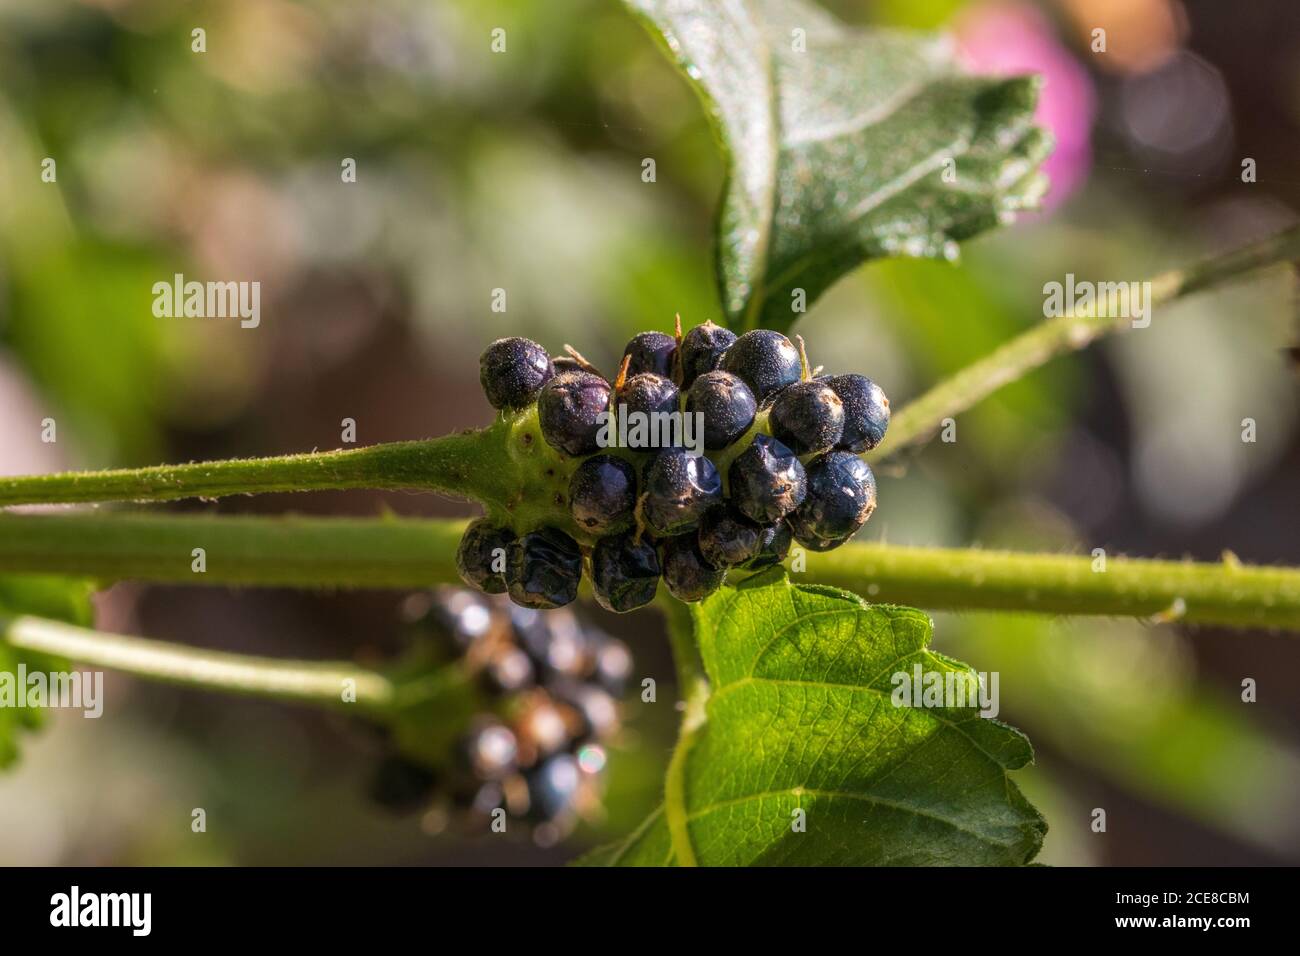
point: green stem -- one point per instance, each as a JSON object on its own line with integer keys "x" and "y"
{"x": 306, "y": 681}
{"x": 412, "y": 553}
{"x": 923, "y": 416}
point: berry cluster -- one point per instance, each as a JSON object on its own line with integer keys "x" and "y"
{"x": 707, "y": 452}
{"x": 554, "y": 688}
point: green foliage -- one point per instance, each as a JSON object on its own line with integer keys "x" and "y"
{"x": 838, "y": 141}
{"x": 63, "y": 599}
{"x": 800, "y": 717}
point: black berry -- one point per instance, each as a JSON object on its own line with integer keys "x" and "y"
{"x": 841, "y": 496}
{"x": 727, "y": 405}
{"x": 701, "y": 348}
{"x": 767, "y": 480}
{"x": 480, "y": 559}
{"x": 808, "y": 417}
{"x": 687, "y": 573}
{"x": 647, "y": 393}
{"x": 651, "y": 352}
{"x": 624, "y": 572}
{"x": 571, "y": 410}
{"x": 729, "y": 539}
{"x": 543, "y": 569}
{"x": 866, "y": 412}
{"x": 774, "y": 545}
{"x": 602, "y": 494}
{"x": 513, "y": 371}
{"x": 677, "y": 489}
{"x": 767, "y": 361}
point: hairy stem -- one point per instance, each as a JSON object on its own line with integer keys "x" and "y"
{"x": 334, "y": 684}
{"x": 413, "y": 553}
{"x": 922, "y": 417}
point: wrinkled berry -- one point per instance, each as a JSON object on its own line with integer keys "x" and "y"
{"x": 543, "y": 569}
{"x": 766, "y": 361}
{"x": 687, "y": 573}
{"x": 513, "y": 371}
{"x": 651, "y": 352}
{"x": 866, "y": 412}
{"x": 808, "y": 417}
{"x": 677, "y": 490}
{"x": 624, "y": 572}
{"x": 727, "y": 405}
{"x": 602, "y": 494}
{"x": 729, "y": 539}
{"x": 767, "y": 480}
{"x": 571, "y": 411}
{"x": 701, "y": 348}
{"x": 774, "y": 545}
{"x": 481, "y": 557}
{"x": 841, "y": 496}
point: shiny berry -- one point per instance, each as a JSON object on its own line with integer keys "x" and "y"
{"x": 647, "y": 393}
{"x": 553, "y": 787}
{"x": 677, "y": 489}
{"x": 767, "y": 480}
{"x": 687, "y": 573}
{"x": 602, "y": 494}
{"x": 572, "y": 411}
{"x": 543, "y": 569}
{"x": 866, "y": 412}
{"x": 481, "y": 557}
{"x": 624, "y": 572}
{"x": 727, "y": 405}
{"x": 807, "y": 417}
{"x": 841, "y": 496}
{"x": 767, "y": 361}
{"x": 774, "y": 545}
{"x": 513, "y": 371}
{"x": 651, "y": 352}
{"x": 729, "y": 539}
{"x": 701, "y": 348}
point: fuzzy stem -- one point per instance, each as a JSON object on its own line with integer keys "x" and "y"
{"x": 923, "y": 416}
{"x": 412, "y": 553}
{"x": 304, "y": 681}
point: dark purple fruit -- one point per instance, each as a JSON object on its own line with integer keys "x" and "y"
{"x": 701, "y": 349}
{"x": 767, "y": 361}
{"x": 602, "y": 494}
{"x": 687, "y": 573}
{"x": 807, "y": 417}
{"x": 729, "y": 539}
{"x": 513, "y": 371}
{"x": 624, "y": 572}
{"x": 543, "y": 569}
{"x": 481, "y": 557}
{"x": 841, "y": 496}
{"x": 866, "y": 412}
{"x": 651, "y": 352}
{"x": 767, "y": 480}
{"x": 572, "y": 411}
{"x": 727, "y": 405}
{"x": 774, "y": 545}
{"x": 677, "y": 489}
{"x": 647, "y": 393}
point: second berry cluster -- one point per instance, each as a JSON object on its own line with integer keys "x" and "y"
{"x": 707, "y": 452}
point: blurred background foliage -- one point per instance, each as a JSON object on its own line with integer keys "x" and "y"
{"x": 522, "y": 171}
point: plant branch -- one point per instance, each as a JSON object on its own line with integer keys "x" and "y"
{"x": 412, "y": 553}
{"x": 307, "y": 681}
{"x": 922, "y": 417}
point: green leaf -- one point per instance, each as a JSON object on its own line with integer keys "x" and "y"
{"x": 837, "y": 153}
{"x": 801, "y": 717}
{"x": 63, "y": 599}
